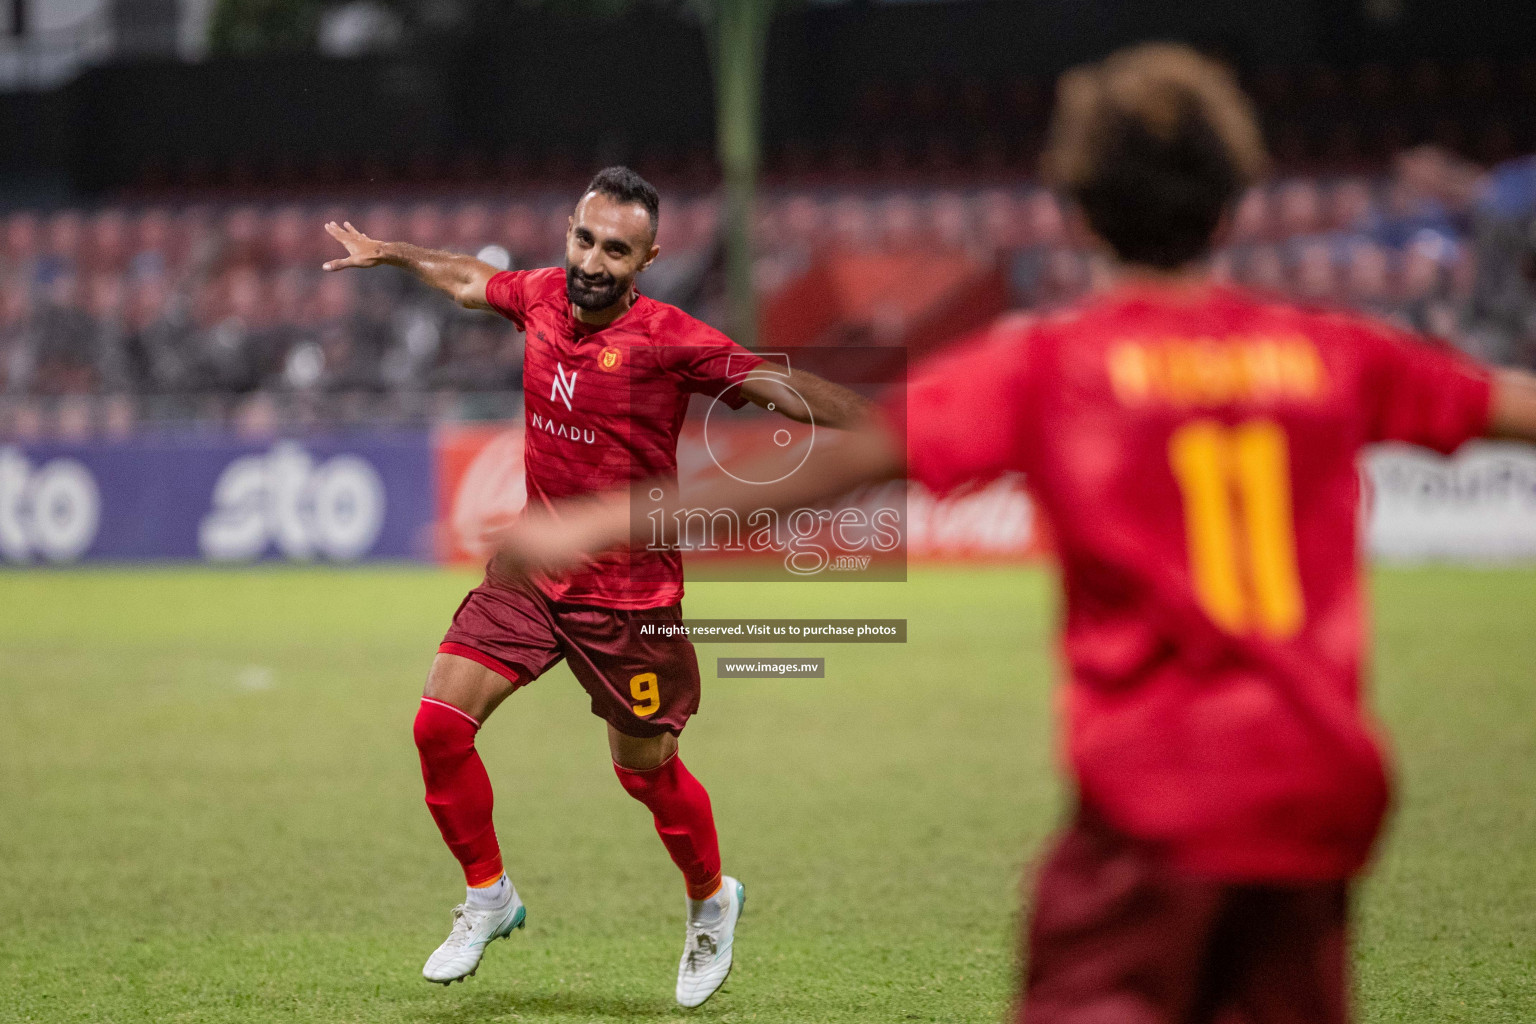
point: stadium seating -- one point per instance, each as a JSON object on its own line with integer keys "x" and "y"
{"x": 222, "y": 310}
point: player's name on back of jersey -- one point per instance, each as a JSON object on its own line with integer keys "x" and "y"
{"x": 1214, "y": 371}
{"x": 778, "y": 631}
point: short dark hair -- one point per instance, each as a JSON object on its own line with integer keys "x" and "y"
{"x": 625, "y": 186}
{"x": 1153, "y": 144}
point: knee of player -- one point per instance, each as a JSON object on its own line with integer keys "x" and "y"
{"x": 440, "y": 729}
{"x": 634, "y": 782}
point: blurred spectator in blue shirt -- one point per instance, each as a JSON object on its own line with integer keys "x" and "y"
{"x": 1499, "y": 205}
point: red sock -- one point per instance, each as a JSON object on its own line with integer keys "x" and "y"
{"x": 458, "y": 790}
{"x": 683, "y": 820}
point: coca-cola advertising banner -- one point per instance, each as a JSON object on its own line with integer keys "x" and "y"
{"x": 480, "y": 480}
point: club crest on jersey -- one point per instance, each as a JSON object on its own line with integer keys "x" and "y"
{"x": 610, "y": 358}
{"x": 563, "y": 387}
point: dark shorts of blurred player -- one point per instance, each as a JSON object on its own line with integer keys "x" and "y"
{"x": 642, "y": 675}
{"x": 1118, "y": 935}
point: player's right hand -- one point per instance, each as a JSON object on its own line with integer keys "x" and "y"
{"x": 362, "y": 251}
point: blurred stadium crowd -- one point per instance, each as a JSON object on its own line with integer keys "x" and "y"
{"x": 125, "y": 316}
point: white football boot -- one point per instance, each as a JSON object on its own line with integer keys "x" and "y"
{"x": 707, "y": 950}
{"x": 473, "y": 929}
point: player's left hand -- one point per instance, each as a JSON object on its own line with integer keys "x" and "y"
{"x": 538, "y": 542}
{"x": 362, "y": 251}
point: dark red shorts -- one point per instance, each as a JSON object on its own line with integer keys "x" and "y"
{"x": 1117, "y": 937}
{"x": 641, "y": 686}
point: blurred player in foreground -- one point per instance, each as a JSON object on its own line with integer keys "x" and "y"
{"x": 1194, "y": 448}
{"x": 607, "y": 377}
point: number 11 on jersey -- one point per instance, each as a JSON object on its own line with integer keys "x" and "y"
{"x": 1238, "y": 524}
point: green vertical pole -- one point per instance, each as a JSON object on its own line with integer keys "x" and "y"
{"x": 741, "y": 40}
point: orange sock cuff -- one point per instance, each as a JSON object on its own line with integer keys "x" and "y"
{"x": 480, "y": 880}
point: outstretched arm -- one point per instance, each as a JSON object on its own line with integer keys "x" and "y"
{"x": 807, "y": 398}
{"x": 1513, "y": 415}
{"x": 463, "y": 278}
{"x": 869, "y": 452}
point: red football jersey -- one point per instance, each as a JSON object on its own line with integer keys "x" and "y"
{"x": 1195, "y": 453}
{"x": 603, "y": 408}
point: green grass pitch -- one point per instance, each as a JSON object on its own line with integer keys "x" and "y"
{"x": 210, "y": 807}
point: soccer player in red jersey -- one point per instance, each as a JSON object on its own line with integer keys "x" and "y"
{"x": 607, "y": 376}
{"x": 1194, "y": 447}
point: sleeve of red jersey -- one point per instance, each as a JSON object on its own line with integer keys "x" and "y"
{"x": 507, "y": 294}
{"x": 1425, "y": 392}
{"x": 712, "y": 364}
{"x": 960, "y": 413}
